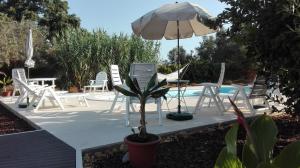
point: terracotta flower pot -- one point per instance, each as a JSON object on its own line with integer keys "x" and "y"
{"x": 73, "y": 89}
{"x": 142, "y": 154}
{"x": 6, "y": 93}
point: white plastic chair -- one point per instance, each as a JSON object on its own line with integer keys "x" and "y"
{"x": 20, "y": 74}
{"x": 211, "y": 91}
{"x": 99, "y": 82}
{"x": 40, "y": 94}
{"x": 116, "y": 81}
{"x": 143, "y": 73}
{"x": 258, "y": 91}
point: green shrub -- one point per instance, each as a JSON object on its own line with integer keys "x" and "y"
{"x": 82, "y": 54}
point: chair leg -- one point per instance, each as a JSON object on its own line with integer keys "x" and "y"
{"x": 215, "y": 99}
{"x": 114, "y": 102}
{"x": 57, "y": 99}
{"x": 200, "y": 99}
{"x": 247, "y": 102}
{"x": 209, "y": 102}
{"x": 159, "y": 111}
{"x": 85, "y": 101}
{"x": 127, "y": 111}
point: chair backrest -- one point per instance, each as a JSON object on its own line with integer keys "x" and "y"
{"x": 24, "y": 86}
{"x": 18, "y": 73}
{"x": 115, "y": 75}
{"x": 142, "y": 72}
{"x": 259, "y": 88}
{"x": 100, "y": 77}
{"x": 183, "y": 70}
{"x": 222, "y": 73}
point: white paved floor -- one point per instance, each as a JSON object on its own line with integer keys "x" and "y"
{"x": 87, "y": 127}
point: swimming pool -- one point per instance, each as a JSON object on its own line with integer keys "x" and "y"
{"x": 196, "y": 92}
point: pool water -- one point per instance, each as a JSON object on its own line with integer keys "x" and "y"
{"x": 194, "y": 92}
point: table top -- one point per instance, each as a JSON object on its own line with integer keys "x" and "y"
{"x": 41, "y": 79}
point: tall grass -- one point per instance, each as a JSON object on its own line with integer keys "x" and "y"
{"x": 81, "y": 54}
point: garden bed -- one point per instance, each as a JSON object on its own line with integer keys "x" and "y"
{"x": 197, "y": 148}
{"x": 10, "y": 123}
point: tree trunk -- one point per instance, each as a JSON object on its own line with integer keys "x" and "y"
{"x": 143, "y": 131}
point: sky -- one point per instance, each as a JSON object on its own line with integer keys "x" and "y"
{"x": 116, "y": 16}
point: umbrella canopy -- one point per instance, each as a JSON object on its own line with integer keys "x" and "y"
{"x": 162, "y": 22}
{"x": 29, "y": 50}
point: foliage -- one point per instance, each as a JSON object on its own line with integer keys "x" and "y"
{"x": 6, "y": 80}
{"x": 81, "y": 54}
{"x": 52, "y": 14}
{"x": 152, "y": 90}
{"x": 205, "y": 64}
{"x": 184, "y": 57}
{"x": 270, "y": 30}
{"x": 12, "y": 42}
{"x": 224, "y": 49}
{"x": 257, "y": 151}
{"x": 57, "y": 19}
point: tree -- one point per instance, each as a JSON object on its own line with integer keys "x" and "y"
{"x": 270, "y": 30}
{"x": 207, "y": 49}
{"x": 57, "y": 19}
{"x": 50, "y": 13}
{"x": 22, "y": 9}
{"x": 12, "y": 40}
{"x": 172, "y": 55}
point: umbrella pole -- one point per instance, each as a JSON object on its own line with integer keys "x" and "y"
{"x": 27, "y": 99}
{"x": 178, "y": 67}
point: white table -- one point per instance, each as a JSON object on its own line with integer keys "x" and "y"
{"x": 183, "y": 85}
{"x": 42, "y": 81}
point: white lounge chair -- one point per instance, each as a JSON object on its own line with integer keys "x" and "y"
{"x": 19, "y": 73}
{"x": 258, "y": 91}
{"x": 142, "y": 72}
{"x": 211, "y": 91}
{"x": 40, "y": 94}
{"x": 116, "y": 81}
{"x": 99, "y": 82}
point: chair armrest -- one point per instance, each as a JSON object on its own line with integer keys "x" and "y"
{"x": 92, "y": 82}
{"x": 209, "y": 84}
{"x": 238, "y": 86}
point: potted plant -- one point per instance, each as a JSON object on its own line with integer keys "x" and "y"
{"x": 4, "y": 82}
{"x": 142, "y": 145}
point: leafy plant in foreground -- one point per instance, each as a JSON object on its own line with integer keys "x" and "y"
{"x": 258, "y": 148}
{"x": 152, "y": 90}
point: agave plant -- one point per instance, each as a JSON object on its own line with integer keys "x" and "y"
{"x": 152, "y": 90}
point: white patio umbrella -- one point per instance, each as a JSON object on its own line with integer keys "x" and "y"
{"x": 29, "y": 63}
{"x": 173, "y": 21}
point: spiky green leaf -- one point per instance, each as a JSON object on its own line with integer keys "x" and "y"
{"x": 132, "y": 86}
{"x": 159, "y": 84}
{"x": 126, "y": 92}
{"x": 151, "y": 82}
{"x": 159, "y": 92}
